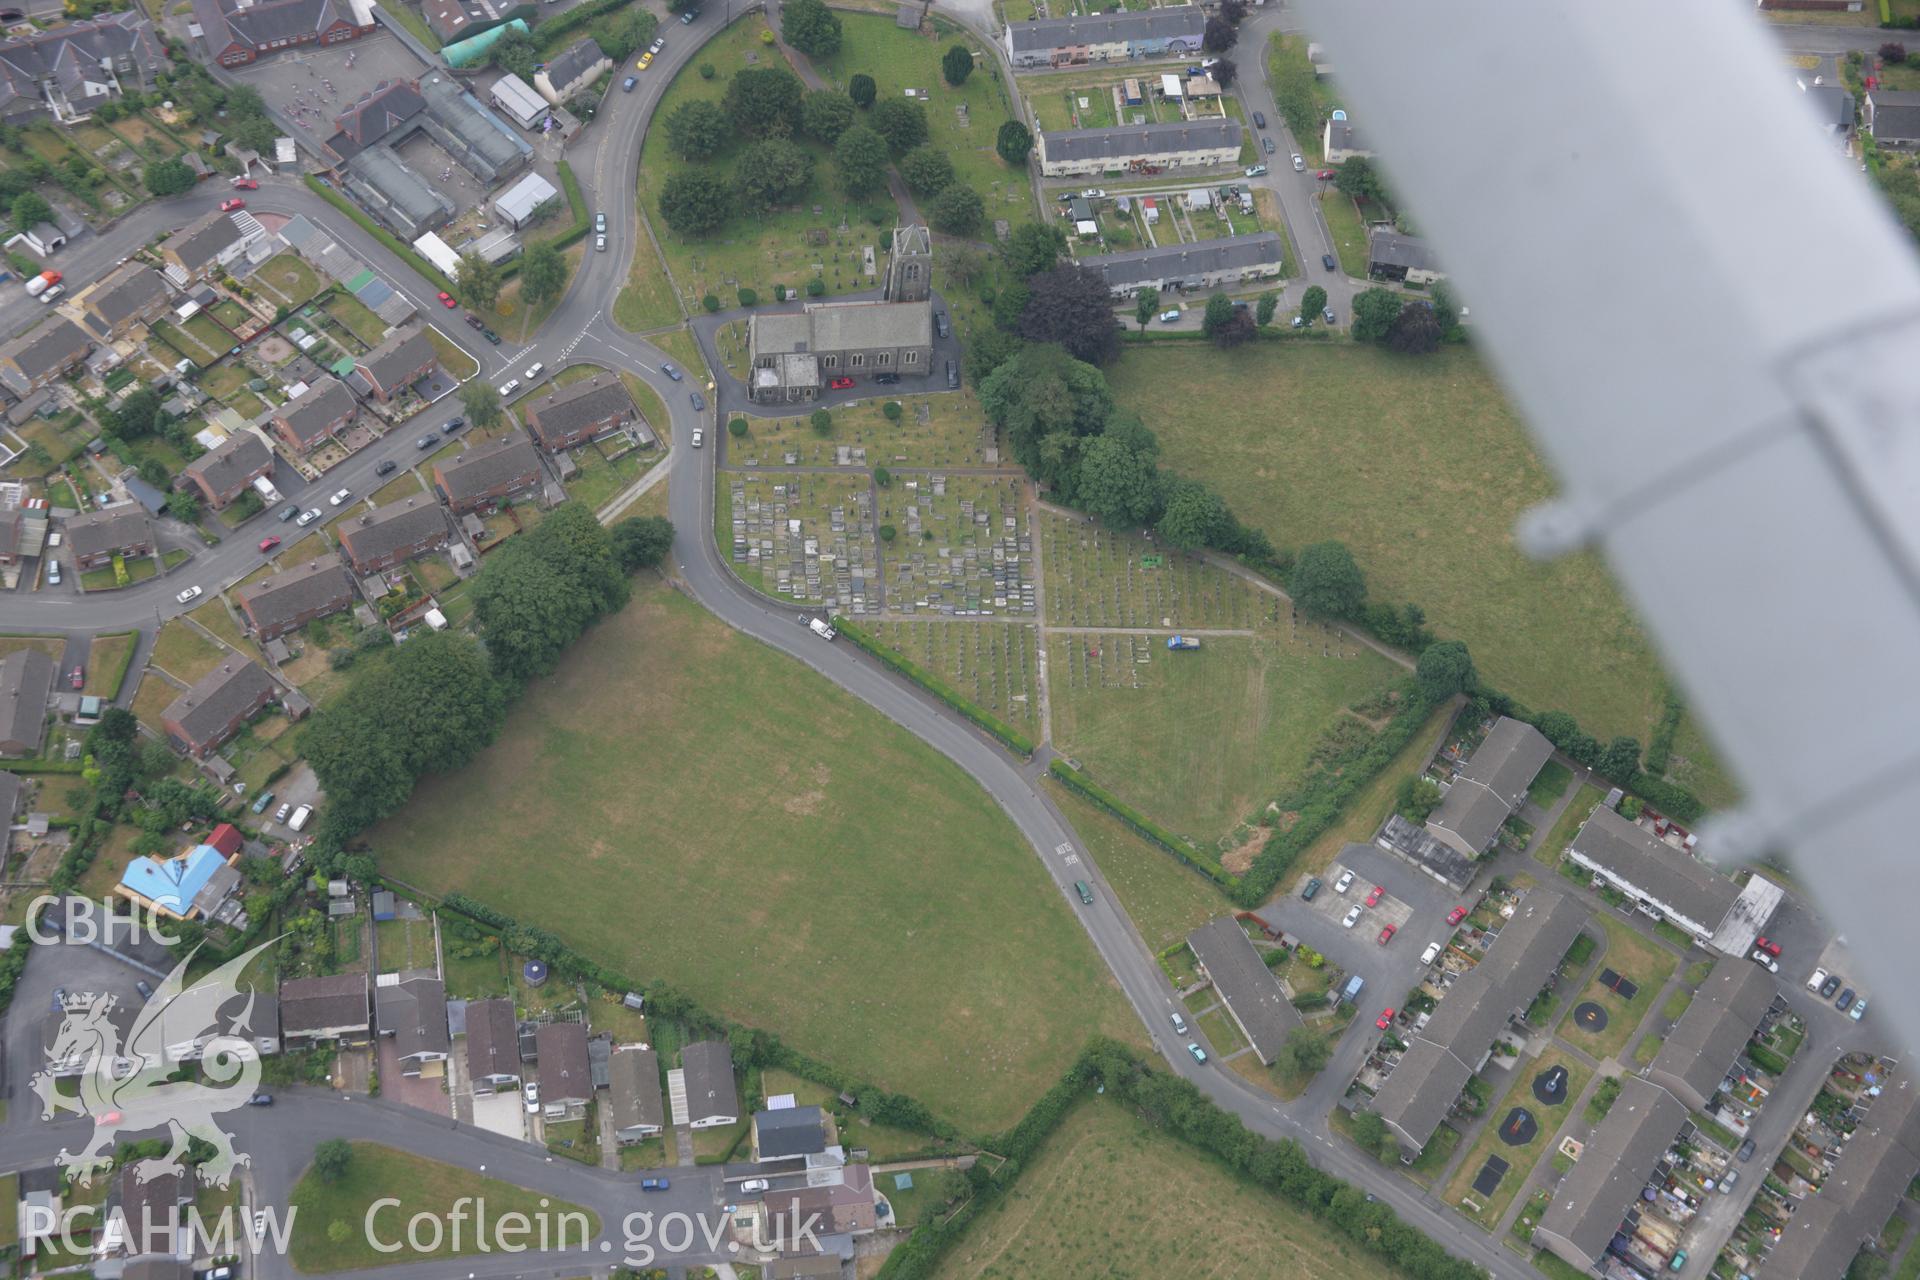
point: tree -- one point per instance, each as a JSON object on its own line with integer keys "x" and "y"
{"x": 1071, "y": 305}
{"x": 332, "y": 1158}
{"x": 862, "y": 89}
{"x": 1224, "y": 72}
{"x": 901, "y": 121}
{"x": 1014, "y": 142}
{"x": 139, "y": 414}
{"x": 1893, "y": 51}
{"x": 964, "y": 264}
{"x": 1445, "y": 668}
{"x": 1313, "y": 302}
{"x": 1264, "y": 309}
{"x": 737, "y": 428}
{"x": 1374, "y": 311}
{"x": 1416, "y": 330}
{"x": 772, "y": 172}
{"x": 482, "y": 404}
{"x": 168, "y": 177}
{"x": 694, "y": 202}
{"x": 184, "y": 505}
{"x": 1034, "y": 247}
{"x": 822, "y": 422}
{"x": 860, "y": 160}
{"x": 626, "y": 32}
{"x": 1193, "y": 515}
{"x": 1358, "y": 178}
{"x": 543, "y": 274}
{"x": 956, "y": 64}
{"x": 1118, "y": 483}
{"x": 1415, "y": 798}
{"x": 825, "y": 114}
{"x": 958, "y": 211}
{"x": 515, "y": 51}
{"x": 1621, "y": 760}
{"x": 641, "y": 542}
{"x": 765, "y": 101}
{"x": 1327, "y": 582}
{"x": 1305, "y": 1052}
{"x": 30, "y": 210}
{"x": 477, "y": 282}
{"x": 1048, "y": 404}
{"x": 927, "y": 170}
{"x": 1145, "y": 305}
{"x": 892, "y": 412}
{"x": 1559, "y": 728}
{"x": 1238, "y": 330}
{"x": 542, "y": 589}
{"x": 1219, "y": 311}
{"x": 697, "y": 129}
{"x": 1370, "y": 1131}
{"x": 1219, "y": 35}
{"x": 811, "y": 27}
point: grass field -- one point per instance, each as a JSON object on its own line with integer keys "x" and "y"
{"x": 182, "y": 652}
{"x": 647, "y": 301}
{"x": 1460, "y": 1187}
{"x": 1572, "y": 818}
{"x": 767, "y": 844}
{"x": 1421, "y": 467}
{"x": 423, "y": 1187}
{"x": 933, "y": 431}
{"x": 1110, "y": 1196}
{"x": 1696, "y": 766}
{"x": 106, "y": 663}
{"x": 1632, "y": 955}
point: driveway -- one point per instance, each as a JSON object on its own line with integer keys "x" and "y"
{"x": 422, "y": 1092}
{"x": 501, "y": 1113}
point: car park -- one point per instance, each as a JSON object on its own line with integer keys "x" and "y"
{"x": 1326, "y": 260}
{"x": 534, "y": 370}
{"x": 839, "y": 384}
{"x": 508, "y": 387}
{"x": 1831, "y": 985}
{"x": 387, "y": 467}
{"x": 1353, "y": 918}
{"x": 339, "y": 497}
{"x": 1859, "y": 1009}
{"x": 289, "y": 511}
{"x": 230, "y": 206}
{"x": 189, "y": 595}
{"x": 1299, "y": 163}
{"x": 667, "y": 368}
{"x": 1199, "y": 1054}
{"x": 1845, "y": 1002}
{"x": 1385, "y": 1019}
{"x": 426, "y": 442}
{"x": 1256, "y": 171}
{"x": 1179, "y": 1023}
{"x": 1375, "y": 894}
{"x": 1344, "y": 883}
{"x": 698, "y": 401}
{"x": 699, "y": 438}
{"x": 1765, "y": 961}
{"x": 1386, "y": 934}
{"x": 1313, "y": 887}
{"x": 308, "y": 517}
{"x": 1431, "y": 954}
{"x": 446, "y": 300}
{"x": 269, "y": 543}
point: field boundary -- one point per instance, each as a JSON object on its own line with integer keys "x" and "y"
{"x": 1077, "y": 781}
{"x": 1012, "y": 738}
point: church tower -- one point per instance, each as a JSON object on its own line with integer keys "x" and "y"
{"x": 910, "y": 267}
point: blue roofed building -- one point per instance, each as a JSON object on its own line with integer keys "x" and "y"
{"x": 191, "y": 884}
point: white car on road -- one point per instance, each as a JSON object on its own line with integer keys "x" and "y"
{"x": 534, "y": 370}
{"x": 340, "y": 497}
{"x": 508, "y": 387}
{"x": 1431, "y": 954}
{"x": 189, "y": 595}
{"x": 699, "y": 438}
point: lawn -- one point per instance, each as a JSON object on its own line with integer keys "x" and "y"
{"x": 933, "y": 431}
{"x": 184, "y": 653}
{"x": 1111, "y": 1195}
{"x": 806, "y": 819}
{"x": 214, "y": 616}
{"x": 1349, "y": 234}
{"x": 1522, "y": 1157}
{"x": 1634, "y": 956}
{"x": 1572, "y": 818}
{"x": 422, "y": 1187}
{"x": 404, "y": 944}
{"x": 1409, "y": 462}
{"x": 356, "y": 318}
{"x": 152, "y": 698}
{"x": 288, "y": 278}
{"x": 52, "y": 646}
{"x": 1550, "y": 784}
{"x": 107, "y": 663}
{"x": 647, "y": 301}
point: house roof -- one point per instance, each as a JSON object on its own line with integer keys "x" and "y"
{"x": 173, "y": 883}
{"x": 1833, "y": 105}
{"x": 226, "y": 838}
{"x": 1421, "y": 1090}
{"x": 1344, "y": 137}
{"x": 479, "y": 470}
{"x": 309, "y": 417}
{"x": 576, "y": 60}
{"x": 1246, "y": 984}
{"x": 450, "y": 19}
{"x": 564, "y": 1069}
{"x": 10, "y": 787}
{"x": 414, "y": 1012}
{"x": 1141, "y": 140}
{"x": 26, "y": 679}
{"x": 206, "y": 709}
{"x": 374, "y": 115}
{"x": 321, "y": 1004}
{"x": 1187, "y": 261}
{"x": 1121, "y": 27}
{"x": 1590, "y": 1202}
{"x": 318, "y": 583}
{"x": 1711, "y": 1033}
{"x": 1895, "y": 114}
{"x": 109, "y": 529}
{"x": 577, "y": 404}
{"x": 204, "y": 239}
{"x": 1391, "y": 249}
{"x": 1869, "y": 1177}
{"x": 264, "y": 22}
{"x": 633, "y": 1089}
{"x": 791, "y": 1131}
{"x": 151, "y": 1209}
{"x": 1672, "y": 878}
{"x": 397, "y": 357}
{"x": 707, "y": 1066}
{"x": 232, "y": 461}
{"x": 518, "y": 202}
{"x": 124, "y": 292}
{"x": 493, "y": 1045}
{"x": 82, "y": 59}
{"x": 47, "y": 350}
{"x": 1493, "y": 782}
{"x": 391, "y": 528}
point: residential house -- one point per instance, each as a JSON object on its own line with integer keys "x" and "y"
{"x": 1392, "y": 256}
{"x": 1147, "y": 148}
{"x": 1341, "y": 141}
{"x": 1617, "y": 1162}
{"x": 487, "y": 474}
{"x": 1253, "y": 996}
{"x": 572, "y": 71}
{"x": 1892, "y": 116}
{"x": 320, "y": 414}
{"x": 13, "y": 535}
{"x": 1870, "y": 1175}
{"x": 129, "y": 295}
{"x": 294, "y": 597}
{"x": 707, "y": 1068}
{"x": 11, "y": 789}
{"x": 1833, "y": 106}
{"x": 172, "y": 887}
{"x": 1459, "y": 1035}
{"x": 396, "y": 364}
{"x": 846, "y": 1208}
{"x": 412, "y": 1012}
{"x": 394, "y": 534}
{"x": 1712, "y": 1033}
{"x": 1490, "y": 786}
{"x": 788, "y": 1133}
{"x": 203, "y": 718}
{"x": 227, "y": 470}
{"x": 330, "y": 1010}
{"x": 149, "y": 1218}
{"x": 566, "y": 1079}
{"x": 238, "y": 32}
{"x": 633, "y": 1094}
{"x": 493, "y": 1046}
{"x": 1175, "y": 31}
{"x": 1198, "y": 266}
{"x": 40, "y": 1195}
{"x": 65, "y": 74}
{"x": 816, "y": 1266}
{"x": 580, "y": 411}
{"x": 26, "y": 682}
{"x": 202, "y": 246}
{"x": 34, "y": 359}
{"x": 120, "y": 530}
{"x": 1671, "y": 884}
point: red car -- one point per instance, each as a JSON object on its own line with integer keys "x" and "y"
{"x": 1374, "y": 895}
{"x": 78, "y": 678}
{"x": 446, "y": 300}
{"x": 1326, "y": 175}
{"x": 245, "y": 184}
{"x": 268, "y": 544}
{"x": 1771, "y": 948}
{"x": 228, "y": 206}
{"x": 1386, "y": 935}
{"x": 840, "y": 384}
{"x": 1456, "y": 915}
{"x": 1385, "y": 1019}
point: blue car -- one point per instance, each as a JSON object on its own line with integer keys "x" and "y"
{"x": 1199, "y": 1054}
{"x": 654, "y": 1184}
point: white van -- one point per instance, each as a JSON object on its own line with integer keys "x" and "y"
{"x": 300, "y": 816}
{"x": 820, "y": 628}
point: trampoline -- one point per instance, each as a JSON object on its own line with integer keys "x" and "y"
{"x": 1550, "y": 1086}
{"x": 1589, "y": 1016}
{"x": 1488, "y": 1179}
{"x": 1626, "y": 988}
{"x": 1519, "y": 1128}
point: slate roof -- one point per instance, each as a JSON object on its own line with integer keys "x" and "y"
{"x": 109, "y": 529}
{"x": 384, "y": 108}
{"x": 1344, "y": 136}
{"x": 48, "y": 349}
{"x": 201, "y": 241}
{"x": 226, "y": 464}
{"x": 319, "y": 1004}
{"x": 564, "y": 1070}
{"x": 1246, "y": 984}
{"x": 493, "y": 1046}
{"x": 1711, "y": 1033}
{"x": 414, "y": 1012}
{"x": 287, "y": 594}
{"x": 570, "y": 407}
{"x": 1895, "y": 114}
{"x": 572, "y": 62}
{"x": 492, "y": 145}
{"x": 1493, "y": 782}
{"x": 398, "y": 356}
{"x": 1674, "y": 878}
{"x": 707, "y": 1066}
{"x": 1590, "y": 1202}
{"x": 1871, "y": 1174}
{"x": 1391, "y": 249}
{"x": 387, "y": 529}
{"x": 215, "y": 698}
{"x": 633, "y": 1089}
{"x": 10, "y": 787}
{"x": 81, "y": 59}
{"x": 310, "y": 416}
{"x": 1128, "y": 142}
{"x": 476, "y": 471}
{"x": 1126, "y": 26}
{"x": 124, "y": 292}
{"x": 264, "y": 22}
{"x": 1134, "y": 267}
{"x": 791, "y": 1131}
{"x": 858, "y": 326}
{"x": 26, "y": 679}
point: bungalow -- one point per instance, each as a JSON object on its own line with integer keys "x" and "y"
{"x": 203, "y": 245}
{"x": 482, "y": 476}
{"x": 229, "y": 469}
{"x": 148, "y": 1219}
{"x": 237, "y": 32}
{"x": 201, "y": 720}
{"x": 788, "y": 1133}
{"x": 131, "y": 294}
{"x": 1202, "y": 265}
{"x": 323, "y": 411}
{"x": 174, "y": 887}
{"x": 331, "y": 1010}
{"x": 1183, "y": 144}
{"x": 290, "y": 600}
{"x": 579, "y": 412}
{"x": 1490, "y": 786}
{"x": 394, "y": 534}
{"x": 493, "y": 1047}
{"x": 34, "y": 359}
{"x": 412, "y": 1012}
{"x": 1392, "y": 256}
{"x": 1893, "y": 118}
{"x": 1175, "y": 31}
{"x": 633, "y": 1093}
{"x": 566, "y": 1075}
{"x": 396, "y": 364}
{"x": 706, "y": 1069}
{"x": 120, "y": 530}
{"x": 26, "y": 682}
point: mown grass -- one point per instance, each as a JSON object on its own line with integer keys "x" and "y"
{"x": 1634, "y": 956}
{"x": 184, "y": 653}
{"x": 1522, "y": 1157}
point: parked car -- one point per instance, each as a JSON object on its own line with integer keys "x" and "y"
{"x": 646, "y": 60}
{"x": 1845, "y": 1002}
{"x": 53, "y": 573}
{"x": 1299, "y": 163}
{"x": 1375, "y": 894}
{"x": 59, "y": 999}
{"x": 699, "y": 437}
{"x": 1199, "y": 1054}
{"x": 386, "y": 467}
{"x": 626, "y": 86}
{"x": 269, "y": 543}
{"x": 1859, "y": 1009}
{"x": 753, "y": 1186}
{"x": 1170, "y": 315}
{"x": 426, "y": 442}
{"x": 1344, "y": 883}
{"x": 1386, "y": 934}
{"x": 654, "y": 1184}
{"x": 77, "y": 677}
{"x": 1353, "y": 918}
{"x": 490, "y": 336}
{"x": 698, "y": 401}
{"x": 1431, "y": 954}
{"x": 1085, "y": 891}
{"x": 1256, "y": 171}
{"x": 599, "y": 222}
{"x": 1094, "y": 193}
{"x": 1817, "y": 980}
{"x": 508, "y": 387}
{"x": 1456, "y": 915}
{"x": 308, "y": 517}
{"x": 1831, "y": 985}
{"x": 261, "y": 801}
{"x": 1259, "y": 119}
{"x": 453, "y": 424}
{"x": 1179, "y": 1023}
{"x": 687, "y": 18}
{"x": 600, "y": 244}
{"x": 1266, "y": 144}
{"x": 289, "y": 511}
{"x": 666, "y": 367}
{"x": 245, "y": 184}
{"x": 886, "y": 379}
{"x": 1325, "y": 175}
{"x": 473, "y": 322}
{"x": 1765, "y": 961}
{"x": 1385, "y": 1019}
{"x": 1746, "y": 1151}
{"x": 446, "y": 300}
{"x": 300, "y": 815}
{"x": 144, "y": 987}
{"x": 839, "y": 384}
{"x": 189, "y": 595}
{"x": 280, "y": 814}
{"x": 1726, "y": 1182}
{"x": 229, "y": 206}
{"x": 1767, "y": 945}
{"x": 1326, "y": 260}
{"x": 1313, "y": 887}
{"x": 953, "y": 375}
{"x": 658, "y": 44}
{"x": 530, "y": 1093}
{"x": 1327, "y": 314}
{"x": 534, "y": 371}
{"x": 942, "y": 325}
{"x": 260, "y": 1100}
{"x": 339, "y": 497}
